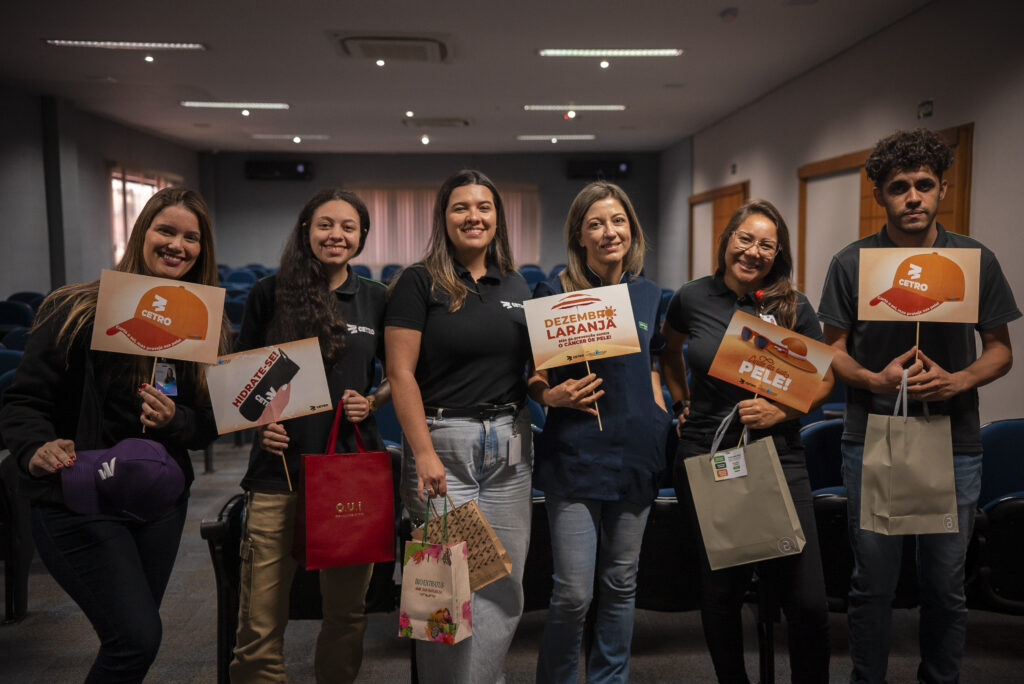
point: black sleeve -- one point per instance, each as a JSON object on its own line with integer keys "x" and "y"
{"x": 838, "y": 306}
{"x": 677, "y": 314}
{"x": 41, "y": 394}
{"x": 259, "y": 309}
{"x": 410, "y": 300}
{"x": 806, "y": 322}
{"x": 997, "y": 305}
{"x": 192, "y": 427}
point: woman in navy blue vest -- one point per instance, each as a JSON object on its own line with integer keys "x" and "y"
{"x": 599, "y": 484}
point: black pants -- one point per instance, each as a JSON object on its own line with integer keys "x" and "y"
{"x": 116, "y": 570}
{"x": 797, "y": 581}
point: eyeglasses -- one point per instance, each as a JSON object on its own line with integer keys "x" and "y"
{"x": 760, "y": 341}
{"x": 766, "y": 248}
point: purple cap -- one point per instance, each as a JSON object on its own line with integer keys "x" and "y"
{"x": 135, "y": 477}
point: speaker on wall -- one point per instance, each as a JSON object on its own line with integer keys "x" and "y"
{"x": 598, "y": 169}
{"x": 271, "y": 169}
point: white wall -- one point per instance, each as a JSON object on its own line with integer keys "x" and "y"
{"x": 833, "y": 220}
{"x": 967, "y": 58}
{"x": 669, "y": 244}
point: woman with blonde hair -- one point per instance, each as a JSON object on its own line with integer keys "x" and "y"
{"x": 457, "y": 350}
{"x": 108, "y": 530}
{"x": 599, "y": 483}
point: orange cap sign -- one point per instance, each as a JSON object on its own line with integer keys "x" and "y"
{"x": 166, "y": 315}
{"x": 933, "y": 285}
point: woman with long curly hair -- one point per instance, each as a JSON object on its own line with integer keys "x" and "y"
{"x": 457, "y": 350}
{"x": 110, "y": 537}
{"x": 754, "y": 275}
{"x": 314, "y": 293}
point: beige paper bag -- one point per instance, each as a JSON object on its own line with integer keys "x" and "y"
{"x": 907, "y": 483}
{"x": 745, "y": 519}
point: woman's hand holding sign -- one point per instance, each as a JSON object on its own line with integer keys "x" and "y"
{"x": 761, "y": 414}
{"x": 580, "y": 394}
{"x": 273, "y": 438}
{"x": 157, "y": 409}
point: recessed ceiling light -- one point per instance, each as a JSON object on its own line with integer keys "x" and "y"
{"x": 571, "y": 114}
{"x": 380, "y": 62}
{"x": 148, "y": 58}
{"x": 296, "y": 140}
{"x": 245, "y": 112}
{"x": 556, "y": 138}
{"x": 425, "y": 140}
{"x": 605, "y": 64}
{"x": 409, "y": 113}
{"x": 575, "y": 107}
{"x": 289, "y": 136}
{"x": 610, "y": 52}
{"x": 234, "y": 105}
{"x": 124, "y": 45}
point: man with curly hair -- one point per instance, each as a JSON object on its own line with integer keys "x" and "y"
{"x": 946, "y": 371}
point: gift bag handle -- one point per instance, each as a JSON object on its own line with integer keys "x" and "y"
{"x": 723, "y": 427}
{"x": 444, "y": 521}
{"x": 901, "y": 400}
{"x": 332, "y": 440}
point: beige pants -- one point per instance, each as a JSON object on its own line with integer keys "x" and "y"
{"x": 266, "y": 578}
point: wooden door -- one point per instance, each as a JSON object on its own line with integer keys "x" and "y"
{"x": 724, "y": 201}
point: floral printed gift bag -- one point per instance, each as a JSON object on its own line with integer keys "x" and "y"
{"x": 435, "y": 590}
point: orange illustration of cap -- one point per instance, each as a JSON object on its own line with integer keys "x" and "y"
{"x": 166, "y": 315}
{"x": 921, "y": 283}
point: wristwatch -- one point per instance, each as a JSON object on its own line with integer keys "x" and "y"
{"x": 372, "y": 401}
{"x": 678, "y": 406}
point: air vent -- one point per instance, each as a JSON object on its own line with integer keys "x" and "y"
{"x": 393, "y": 48}
{"x": 436, "y": 122}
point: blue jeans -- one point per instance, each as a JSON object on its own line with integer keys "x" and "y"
{"x": 587, "y": 537}
{"x": 940, "y": 574}
{"x": 116, "y": 569}
{"x": 475, "y": 458}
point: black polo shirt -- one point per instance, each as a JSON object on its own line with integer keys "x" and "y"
{"x": 702, "y": 310}
{"x": 360, "y": 302}
{"x": 873, "y": 344}
{"x": 471, "y": 357}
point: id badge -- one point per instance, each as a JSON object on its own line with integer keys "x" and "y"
{"x": 729, "y": 464}
{"x": 769, "y": 318}
{"x": 515, "y": 446}
{"x": 165, "y": 378}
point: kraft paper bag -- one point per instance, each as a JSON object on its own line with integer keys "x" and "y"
{"x": 907, "y": 483}
{"x": 436, "y": 601}
{"x": 749, "y": 518}
{"x": 488, "y": 559}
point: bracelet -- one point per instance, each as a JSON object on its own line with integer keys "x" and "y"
{"x": 372, "y": 402}
{"x": 678, "y": 406}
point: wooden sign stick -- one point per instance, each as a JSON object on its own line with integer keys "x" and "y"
{"x": 917, "y": 341}
{"x": 599, "y": 426}
{"x": 152, "y": 377}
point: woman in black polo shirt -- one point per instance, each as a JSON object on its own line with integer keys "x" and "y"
{"x": 457, "y": 351}
{"x": 753, "y": 275}
{"x": 315, "y": 293}
{"x": 599, "y": 484}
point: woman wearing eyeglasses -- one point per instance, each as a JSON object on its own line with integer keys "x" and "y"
{"x": 754, "y": 275}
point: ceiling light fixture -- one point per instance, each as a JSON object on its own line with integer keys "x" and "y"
{"x": 234, "y": 105}
{"x": 289, "y": 136}
{"x": 409, "y": 114}
{"x": 296, "y": 140}
{"x": 571, "y": 114}
{"x": 124, "y": 45}
{"x": 148, "y": 58}
{"x": 610, "y": 52}
{"x": 425, "y": 140}
{"x": 575, "y": 107}
{"x": 605, "y": 64}
{"x": 380, "y": 62}
{"x": 245, "y": 112}
{"x": 556, "y": 138}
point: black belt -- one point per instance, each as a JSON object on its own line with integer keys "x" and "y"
{"x": 484, "y": 412}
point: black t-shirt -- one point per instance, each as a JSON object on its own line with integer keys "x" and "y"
{"x": 873, "y": 344}
{"x": 476, "y": 355}
{"x": 360, "y": 302}
{"x": 702, "y": 309}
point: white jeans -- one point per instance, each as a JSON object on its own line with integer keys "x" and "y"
{"x": 475, "y": 457}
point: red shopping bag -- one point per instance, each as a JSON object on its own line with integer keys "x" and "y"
{"x": 346, "y": 509}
